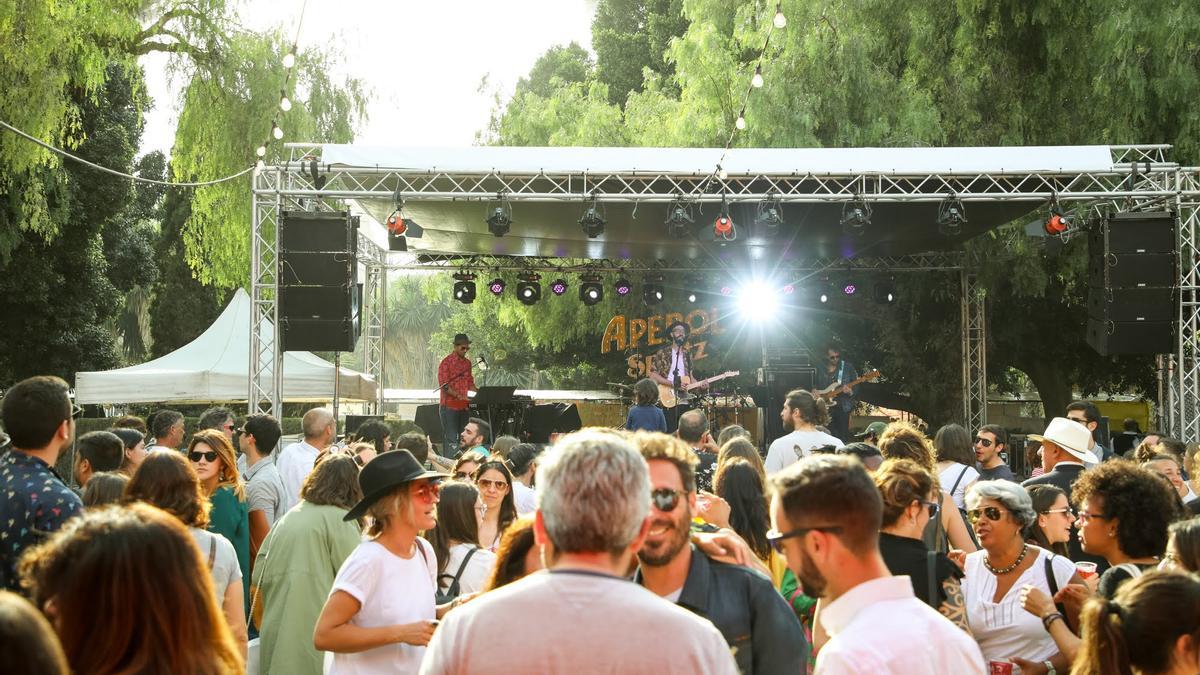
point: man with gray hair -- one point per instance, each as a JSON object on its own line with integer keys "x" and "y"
{"x": 296, "y": 460}
{"x": 693, "y": 430}
{"x": 593, "y": 502}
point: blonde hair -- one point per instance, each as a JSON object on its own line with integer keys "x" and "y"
{"x": 229, "y": 476}
{"x": 386, "y": 509}
{"x": 901, "y": 440}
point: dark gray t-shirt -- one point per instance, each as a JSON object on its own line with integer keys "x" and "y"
{"x": 1001, "y": 472}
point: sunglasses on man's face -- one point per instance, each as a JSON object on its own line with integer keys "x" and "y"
{"x": 210, "y": 456}
{"x": 992, "y": 513}
{"x": 775, "y": 537}
{"x": 665, "y": 499}
{"x": 985, "y": 442}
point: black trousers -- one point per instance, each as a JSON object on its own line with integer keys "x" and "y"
{"x": 839, "y": 423}
{"x": 673, "y": 414}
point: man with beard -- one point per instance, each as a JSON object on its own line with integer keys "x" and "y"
{"x": 672, "y": 367}
{"x": 760, "y": 627}
{"x": 827, "y": 513}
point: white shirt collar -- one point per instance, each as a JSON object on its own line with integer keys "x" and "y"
{"x": 1067, "y": 463}
{"x": 842, "y": 611}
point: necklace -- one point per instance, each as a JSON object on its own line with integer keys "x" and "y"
{"x": 1006, "y": 570}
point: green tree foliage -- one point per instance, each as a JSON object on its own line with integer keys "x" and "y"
{"x": 559, "y": 66}
{"x": 879, "y": 73}
{"x": 630, "y": 36}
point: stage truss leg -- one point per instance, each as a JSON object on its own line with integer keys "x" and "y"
{"x": 974, "y": 352}
{"x": 1184, "y": 389}
{"x": 265, "y": 378}
{"x": 375, "y": 302}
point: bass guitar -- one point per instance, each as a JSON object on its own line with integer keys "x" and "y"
{"x": 667, "y": 395}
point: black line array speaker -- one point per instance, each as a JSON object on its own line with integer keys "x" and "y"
{"x": 429, "y": 418}
{"x": 1133, "y": 276}
{"x": 319, "y": 294}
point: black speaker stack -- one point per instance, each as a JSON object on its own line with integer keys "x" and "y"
{"x": 1133, "y": 278}
{"x": 319, "y": 293}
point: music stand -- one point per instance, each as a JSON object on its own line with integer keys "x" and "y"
{"x": 492, "y": 397}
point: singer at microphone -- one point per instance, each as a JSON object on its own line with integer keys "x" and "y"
{"x": 454, "y": 382}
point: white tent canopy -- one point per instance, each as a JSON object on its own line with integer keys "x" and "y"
{"x": 215, "y": 367}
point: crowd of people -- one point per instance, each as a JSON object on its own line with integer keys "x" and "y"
{"x": 608, "y": 550}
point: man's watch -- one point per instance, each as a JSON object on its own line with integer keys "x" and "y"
{"x": 1049, "y": 667}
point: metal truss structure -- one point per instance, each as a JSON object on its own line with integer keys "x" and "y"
{"x": 1141, "y": 178}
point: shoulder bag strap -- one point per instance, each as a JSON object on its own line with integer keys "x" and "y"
{"x": 212, "y": 550}
{"x": 960, "y": 477}
{"x": 931, "y": 572}
{"x": 1131, "y": 569}
{"x": 1053, "y": 583}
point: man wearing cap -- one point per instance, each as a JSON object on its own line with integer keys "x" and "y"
{"x": 672, "y": 367}
{"x": 871, "y": 434}
{"x": 455, "y": 380}
{"x": 1064, "y": 451}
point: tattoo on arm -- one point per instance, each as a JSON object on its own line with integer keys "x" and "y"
{"x": 954, "y": 606}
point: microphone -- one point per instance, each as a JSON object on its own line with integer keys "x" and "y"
{"x": 483, "y": 362}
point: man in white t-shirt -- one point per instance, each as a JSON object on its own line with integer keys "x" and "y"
{"x": 167, "y": 427}
{"x": 296, "y": 460}
{"x": 802, "y": 414}
{"x": 582, "y": 615}
{"x": 827, "y": 513}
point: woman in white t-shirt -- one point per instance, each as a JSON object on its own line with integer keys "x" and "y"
{"x": 996, "y": 574}
{"x": 381, "y": 611}
{"x": 456, "y": 537}
{"x": 955, "y": 462}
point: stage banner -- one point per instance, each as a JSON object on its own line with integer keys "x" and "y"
{"x": 640, "y": 337}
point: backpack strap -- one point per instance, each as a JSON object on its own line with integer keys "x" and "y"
{"x": 452, "y": 590}
{"x": 212, "y": 550}
{"x": 1131, "y": 569}
{"x": 931, "y": 573}
{"x": 960, "y": 477}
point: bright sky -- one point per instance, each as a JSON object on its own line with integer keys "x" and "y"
{"x": 423, "y": 61}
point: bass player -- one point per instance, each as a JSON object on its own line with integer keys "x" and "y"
{"x": 839, "y": 372}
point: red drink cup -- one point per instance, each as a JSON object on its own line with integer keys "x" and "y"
{"x": 1000, "y": 668}
{"x": 1086, "y": 570}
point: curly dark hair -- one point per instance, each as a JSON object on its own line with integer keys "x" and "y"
{"x": 1141, "y": 501}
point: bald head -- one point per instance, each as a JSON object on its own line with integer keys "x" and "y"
{"x": 319, "y": 427}
{"x": 692, "y": 426}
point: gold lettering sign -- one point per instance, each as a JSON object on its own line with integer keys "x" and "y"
{"x": 623, "y": 333}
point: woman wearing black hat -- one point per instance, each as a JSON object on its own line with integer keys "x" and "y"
{"x": 381, "y": 612}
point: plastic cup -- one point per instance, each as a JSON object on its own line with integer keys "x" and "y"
{"x": 1000, "y": 668}
{"x": 1086, "y": 570}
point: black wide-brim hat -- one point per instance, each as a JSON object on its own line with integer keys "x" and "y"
{"x": 686, "y": 328}
{"x": 385, "y": 473}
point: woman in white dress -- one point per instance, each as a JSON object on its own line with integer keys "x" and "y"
{"x": 995, "y": 576}
{"x": 382, "y": 610}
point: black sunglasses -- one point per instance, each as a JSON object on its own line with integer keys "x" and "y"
{"x": 210, "y": 456}
{"x": 992, "y": 513}
{"x": 933, "y": 509}
{"x": 665, "y": 499}
{"x": 983, "y": 441}
{"x": 775, "y": 537}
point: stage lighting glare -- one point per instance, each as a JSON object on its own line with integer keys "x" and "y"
{"x": 623, "y": 287}
{"x": 652, "y": 291}
{"x": 726, "y": 291}
{"x": 499, "y": 222}
{"x": 592, "y": 223}
{"x": 824, "y": 297}
{"x": 496, "y": 286}
{"x": 758, "y": 301}
{"x": 849, "y": 288}
{"x": 789, "y": 289}
{"x": 464, "y": 288}
{"x": 885, "y": 292}
{"x": 558, "y": 286}
{"x": 591, "y": 290}
{"x": 691, "y": 297}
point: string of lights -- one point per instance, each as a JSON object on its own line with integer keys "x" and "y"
{"x": 285, "y": 104}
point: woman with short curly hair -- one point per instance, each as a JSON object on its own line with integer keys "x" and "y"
{"x": 1124, "y": 513}
{"x": 901, "y": 440}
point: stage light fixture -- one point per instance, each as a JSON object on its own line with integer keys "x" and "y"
{"x": 769, "y": 213}
{"x": 952, "y": 215}
{"x": 692, "y": 297}
{"x": 592, "y": 221}
{"x": 679, "y": 220}
{"x": 496, "y": 286}
{"x": 652, "y": 290}
{"x": 823, "y": 297}
{"x": 856, "y": 216}
{"x": 591, "y": 289}
{"x": 529, "y": 291}
{"x": 885, "y": 292}
{"x": 464, "y": 287}
{"x": 623, "y": 287}
{"x": 849, "y": 288}
{"x": 558, "y": 286}
{"x": 500, "y": 221}
{"x": 723, "y": 229}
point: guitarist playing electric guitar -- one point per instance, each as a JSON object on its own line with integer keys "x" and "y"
{"x": 839, "y": 372}
{"x": 672, "y": 366}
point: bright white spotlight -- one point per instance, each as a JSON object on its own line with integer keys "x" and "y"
{"x": 758, "y": 301}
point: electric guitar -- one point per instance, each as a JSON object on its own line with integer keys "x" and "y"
{"x": 830, "y": 392}
{"x": 666, "y": 393}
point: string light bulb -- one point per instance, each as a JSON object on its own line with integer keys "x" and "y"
{"x": 261, "y": 151}
{"x": 276, "y": 131}
{"x": 780, "y": 20}
{"x": 741, "y": 122}
{"x": 285, "y": 103}
{"x": 722, "y": 173}
{"x": 289, "y": 59}
{"x": 757, "y": 80}
{"x": 260, "y": 165}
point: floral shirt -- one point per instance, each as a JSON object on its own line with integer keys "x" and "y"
{"x": 34, "y": 503}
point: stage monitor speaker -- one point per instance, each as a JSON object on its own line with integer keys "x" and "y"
{"x": 353, "y": 422}
{"x": 543, "y": 420}
{"x": 1131, "y": 337}
{"x": 315, "y": 231}
{"x": 430, "y": 420}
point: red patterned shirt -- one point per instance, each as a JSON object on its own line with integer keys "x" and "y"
{"x": 457, "y": 371}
